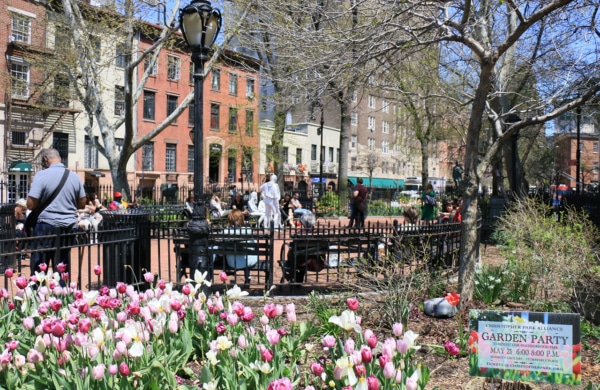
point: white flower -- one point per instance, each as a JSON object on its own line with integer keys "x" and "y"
{"x": 212, "y": 357}
{"x": 344, "y": 364}
{"x": 136, "y": 348}
{"x": 200, "y": 278}
{"x": 263, "y": 367}
{"x": 210, "y": 386}
{"x": 346, "y": 321}
{"x": 234, "y": 293}
{"x": 410, "y": 338}
{"x": 223, "y": 343}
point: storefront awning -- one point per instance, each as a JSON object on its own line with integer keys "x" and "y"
{"x": 20, "y": 166}
{"x": 96, "y": 174}
{"x": 379, "y": 183}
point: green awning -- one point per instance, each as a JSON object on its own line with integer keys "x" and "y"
{"x": 379, "y": 183}
{"x": 20, "y": 166}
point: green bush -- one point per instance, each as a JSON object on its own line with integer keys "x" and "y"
{"x": 551, "y": 261}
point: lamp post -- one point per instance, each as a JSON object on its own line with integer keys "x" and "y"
{"x": 200, "y": 24}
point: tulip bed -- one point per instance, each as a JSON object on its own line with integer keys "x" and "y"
{"x": 57, "y": 336}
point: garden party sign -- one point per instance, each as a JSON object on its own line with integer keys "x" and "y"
{"x": 525, "y": 346}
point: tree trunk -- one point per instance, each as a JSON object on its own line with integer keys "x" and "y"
{"x": 469, "y": 248}
{"x": 343, "y": 193}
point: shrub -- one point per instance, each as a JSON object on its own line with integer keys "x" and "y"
{"x": 558, "y": 260}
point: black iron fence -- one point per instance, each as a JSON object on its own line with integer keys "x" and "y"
{"x": 153, "y": 239}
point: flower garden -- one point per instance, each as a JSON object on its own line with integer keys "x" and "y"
{"x": 59, "y": 337}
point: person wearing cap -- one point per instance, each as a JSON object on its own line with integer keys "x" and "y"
{"x": 116, "y": 203}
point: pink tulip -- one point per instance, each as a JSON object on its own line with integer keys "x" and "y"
{"x": 223, "y": 276}
{"x": 280, "y": 384}
{"x": 270, "y": 310}
{"x": 316, "y": 369}
{"x": 349, "y": 346}
{"x": 352, "y": 304}
{"x": 113, "y": 369}
{"x": 43, "y": 267}
{"x": 98, "y": 271}
{"x": 12, "y": 345}
{"x": 34, "y": 356}
{"x": 121, "y": 287}
{"x": 124, "y": 369}
{"x": 242, "y": 342}
{"x": 397, "y": 329}
{"x": 148, "y": 277}
{"x": 366, "y": 354}
{"x": 372, "y": 341}
{"x": 98, "y": 371}
{"x": 28, "y": 323}
{"x": 174, "y": 326}
{"x": 266, "y": 355}
{"x": 221, "y": 328}
{"x": 389, "y": 371}
{"x": 411, "y": 384}
{"x": 186, "y": 289}
{"x": 328, "y": 341}
{"x": 273, "y": 337}
{"x": 21, "y": 282}
{"x": 201, "y": 317}
{"x": 232, "y": 319}
{"x": 398, "y": 378}
{"x": 248, "y": 314}
{"x": 383, "y": 360}
{"x": 61, "y": 267}
{"x": 372, "y": 383}
{"x": 451, "y": 348}
{"x": 402, "y": 346}
{"x": 9, "y": 272}
{"x": 360, "y": 370}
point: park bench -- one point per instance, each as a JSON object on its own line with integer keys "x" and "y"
{"x": 245, "y": 254}
{"x": 325, "y": 254}
{"x": 434, "y": 246}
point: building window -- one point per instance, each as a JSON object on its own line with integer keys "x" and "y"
{"x": 385, "y": 147}
{"x": 233, "y": 119}
{"x": 119, "y": 100}
{"x": 90, "y": 153}
{"x": 149, "y": 65}
{"x": 214, "y": 116}
{"x": 21, "y": 28}
{"x": 231, "y": 165}
{"x": 248, "y": 164}
{"x": 269, "y": 152}
{"x": 353, "y": 162}
{"x": 215, "y": 81}
{"x": 148, "y": 157}
{"x": 581, "y": 146}
{"x": 60, "y": 142}
{"x": 171, "y": 105}
{"x": 190, "y": 159}
{"x": 121, "y": 58}
{"x": 385, "y": 127}
{"x": 191, "y": 114}
{"x": 353, "y": 140}
{"x": 371, "y": 124}
{"x": 119, "y": 142}
{"x": 249, "y": 87}
{"x": 338, "y": 154}
{"x": 385, "y": 106}
{"x": 95, "y": 45}
{"x": 354, "y": 118}
{"x": 19, "y": 138}
{"x": 313, "y": 152}
{"x": 286, "y": 153}
{"x": 298, "y": 156}
{"x": 371, "y": 101}
{"x": 355, "y": 96}
{"x": 19, "y": 73}
{"x": 595, "y": 167}
{"x": 62, "y": 91}
{"x": 249, "y": 122}
{"x": 192, "y": 72}
{"x": 371, "y": 144}
{"x": 233, "y": 84}
{"x": 170, "y": 158}
{"x": 149, "y": 102}
{"x": 173, "y": 68}
{"x": 331, "y": 154}
{"x": 595, "y": 147}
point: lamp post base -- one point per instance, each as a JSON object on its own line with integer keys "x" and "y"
{"x": 198, "y": 231}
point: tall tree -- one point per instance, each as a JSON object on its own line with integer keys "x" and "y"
{"x": 481, "y": 40}
{"x": 89, "y": 71}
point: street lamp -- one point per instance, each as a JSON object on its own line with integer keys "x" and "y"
{"x": 200, "y": 24}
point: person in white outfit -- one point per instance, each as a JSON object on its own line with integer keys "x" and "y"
{"x": 253, "y": 208}
{"x": 271, "y": 196}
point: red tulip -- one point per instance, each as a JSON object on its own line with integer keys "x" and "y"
{"x": 453, "y": 298}
{"x": 352, "y": 304}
